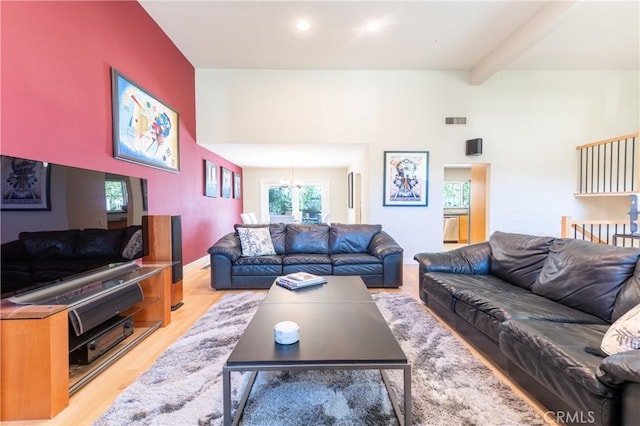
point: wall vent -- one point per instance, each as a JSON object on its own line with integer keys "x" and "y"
{"x": 455, "y": 120}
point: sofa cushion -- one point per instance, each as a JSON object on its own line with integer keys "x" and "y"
{"x": 307, "y": 239}
{"x": 359, "y": 269}
{"x": 301, "y": 259}
{"x": 443, "y": 286}
{"x": 353, "y": 238}
{"x": 628, "y": 296}
{"x": 624, "y": 334}
{"x": 312, "y": 268}
{"x": 518, "y": 258}
{"x": 100, "y": 243}
{"x": 255, "y": 241}
{"x": 50, "y": 244}
{"x": 13, "y": 250}
{"x": 585, "y": 275}
{"x": 354, "y": 259}
{"x": 258, "y": 266}
{"x": 553, "y": 353}
{"x": 356, "y": 264}
{"x": 486, "y": 309}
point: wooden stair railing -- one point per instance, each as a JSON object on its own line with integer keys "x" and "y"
{"x": 609, "y": 167}
{"x": 598, "y": 231}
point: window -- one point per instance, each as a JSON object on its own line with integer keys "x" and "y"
{"x": 456, "y": 194}
{"x": 305, "y": 202}
{"x": 116, "y": 195}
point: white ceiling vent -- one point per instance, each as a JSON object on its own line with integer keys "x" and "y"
{"x": 455, "y": 120}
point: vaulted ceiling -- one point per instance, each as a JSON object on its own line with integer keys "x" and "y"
{"x": 481, "y": 37}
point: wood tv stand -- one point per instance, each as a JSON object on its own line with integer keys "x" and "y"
{"x": 35, "y": 376}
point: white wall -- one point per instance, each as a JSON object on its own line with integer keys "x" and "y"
{"x": 530, "y": 122}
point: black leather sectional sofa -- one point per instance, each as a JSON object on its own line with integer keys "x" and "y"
{"x": 41, "y": 257}
{"x": 538, "y": 307}
{"x": 321, "y": 249}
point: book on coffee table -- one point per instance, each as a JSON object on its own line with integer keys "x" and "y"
{"x": 299, "y": 280}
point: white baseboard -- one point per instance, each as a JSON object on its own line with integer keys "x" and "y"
{"x": 196, "y": 264}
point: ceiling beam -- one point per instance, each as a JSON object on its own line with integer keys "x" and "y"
{"x": 538, "y": 26}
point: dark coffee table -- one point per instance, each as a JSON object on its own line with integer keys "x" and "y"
{"x": 341, "y": 328}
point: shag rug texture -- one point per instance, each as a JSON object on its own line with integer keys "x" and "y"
{"x": 449, "y": 385}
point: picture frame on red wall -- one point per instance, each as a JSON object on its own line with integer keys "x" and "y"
{"x": 145, "y": 129}
{"x": 227, "y": 188}
{"x": 237, "y": 185}
{"x": 210, "y": 179}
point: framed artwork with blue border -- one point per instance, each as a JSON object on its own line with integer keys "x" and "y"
{"x": 145, "y": 129}
{"x": 406, "y": 178}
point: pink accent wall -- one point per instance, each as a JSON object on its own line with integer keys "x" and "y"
{"x": 56, "y": 102}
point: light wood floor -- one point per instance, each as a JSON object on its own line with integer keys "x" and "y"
{"x": 96, "y": 397}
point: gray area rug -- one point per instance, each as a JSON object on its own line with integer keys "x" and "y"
{"x": 449, "y": 385}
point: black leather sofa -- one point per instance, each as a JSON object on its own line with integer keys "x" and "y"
{"x": 321, "y": 249}
{"x": 36, "y": 258}
{"x": 538, "y": 308}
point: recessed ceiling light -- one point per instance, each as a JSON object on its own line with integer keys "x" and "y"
{"x": 373, "y": 26}
{"x": 303, "y": 25}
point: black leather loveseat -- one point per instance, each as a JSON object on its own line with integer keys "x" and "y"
{"x": 321, "y": 249}
{"x": 539, "y": 307}
{"x": 41, "y": 257}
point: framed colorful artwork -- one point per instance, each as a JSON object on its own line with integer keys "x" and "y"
{"x": 210, "y": 179}
{"x": 226, "y": 182}
{"x": 145, "y": 130}
{"x": 406, "y": 181}
{"x": 25, "y": 184}
{"x": 237, "y": 185}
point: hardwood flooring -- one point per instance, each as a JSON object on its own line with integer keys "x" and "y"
{"x": 92, "y": 400}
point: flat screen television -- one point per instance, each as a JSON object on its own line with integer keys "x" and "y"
{"x": 39, "y": 197}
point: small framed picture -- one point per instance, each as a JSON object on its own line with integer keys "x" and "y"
{"x": 25, "y": 184}
{"x": 226, "y": 182}
{"x": 406, "y": 178}
{"x": 210, "y": 179}
{"x": 237, "y": 185}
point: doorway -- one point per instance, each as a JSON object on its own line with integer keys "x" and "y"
{"x": 465, "y": 204}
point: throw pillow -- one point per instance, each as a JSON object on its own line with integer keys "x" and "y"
{"x": 624, "y": 334}
{"x": 256, "y": 241}
{"x": 133, "y": 249}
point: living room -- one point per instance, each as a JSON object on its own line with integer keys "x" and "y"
{"x": 57, "y": 107}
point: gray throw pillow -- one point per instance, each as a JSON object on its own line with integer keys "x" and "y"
{"x": 255, "y": 241}
{"x": 134, "y": 247}
{"x": 624, "y": 334}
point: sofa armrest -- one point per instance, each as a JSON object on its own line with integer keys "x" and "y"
{"x": 228, "y": 246}
{"x": 619, "y": 368}
{"x": 383, "y": 245}
{"x": 474, "y": 259}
